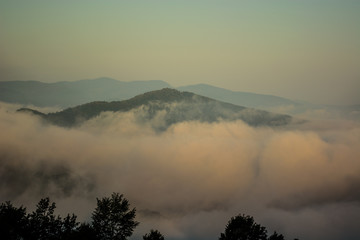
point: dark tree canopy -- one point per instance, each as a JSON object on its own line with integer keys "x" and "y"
{"x": 43, "y": 224}
{"x": 112, "y": 218}
{"x": 243, "y": 227}
{"x": 13, "y": 221}
{"x": 84, "y": 231}
{"x": 153, "y": 235}
{"x": 276, "y": 236}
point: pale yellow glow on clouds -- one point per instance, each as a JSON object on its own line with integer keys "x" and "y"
{"x": 296, "y": 181}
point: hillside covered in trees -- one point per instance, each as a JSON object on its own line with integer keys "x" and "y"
{"x": 172, "y": 105}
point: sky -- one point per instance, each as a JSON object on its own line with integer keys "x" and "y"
{"x": 303, "y": 50}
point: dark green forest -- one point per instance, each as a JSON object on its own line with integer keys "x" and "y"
{"x": 112, "y": 219}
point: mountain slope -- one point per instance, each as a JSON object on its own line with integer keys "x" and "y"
{"x": 247, "y": 99}
{"x": 67, "y": 94}
{"x": 172, "y": 105}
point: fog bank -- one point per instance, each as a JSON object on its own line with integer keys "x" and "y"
{"x": 189, "y": 180}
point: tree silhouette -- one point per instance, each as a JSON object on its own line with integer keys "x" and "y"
{"x": 43, "y": 224}
{"x": 69, "y": 226}
{"x": 153, "y": 235}
{"x": 84, "y": 231}
{"x": 243, "y": 227}
{"x": 13, "y": 221}
{"x": 276, "y": 236}
{"x": 112, "y": 218}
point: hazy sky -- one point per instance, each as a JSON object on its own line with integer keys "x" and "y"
{"x": 308, "y": 50}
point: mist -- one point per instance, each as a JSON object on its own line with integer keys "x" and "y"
{"x": 188, "y": 180}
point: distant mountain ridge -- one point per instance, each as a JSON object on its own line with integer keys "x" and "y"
{"x": 247, "y": 99}
{"x": 173, "y": 105}
{"x": 68, "y": 94}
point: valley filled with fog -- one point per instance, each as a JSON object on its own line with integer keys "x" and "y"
{"x": 189, "y": 179}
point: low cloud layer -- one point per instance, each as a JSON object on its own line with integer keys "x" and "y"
{"x": 189, "y": 180}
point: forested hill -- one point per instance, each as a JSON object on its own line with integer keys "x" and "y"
{"x": 174, "y": 106}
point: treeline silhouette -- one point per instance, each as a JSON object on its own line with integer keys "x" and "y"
{"x": 112, "y": 219}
